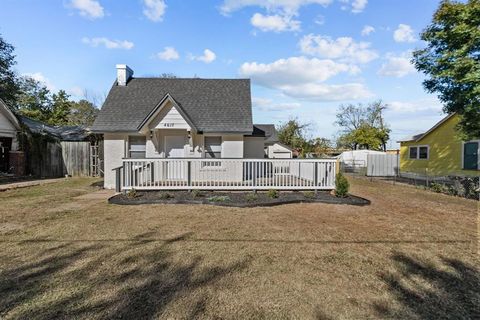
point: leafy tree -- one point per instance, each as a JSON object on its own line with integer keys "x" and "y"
{"x": 293, "y": 134}
{"x": 363, "y": 126}
{"x": 451, "y": 61}
{"x": 82, "y": 112}
{"x": 8, "y": 78}
{"x": 321, "y": 146}
{"x": 61, "y": 108}
{"x": 33, "y": 100}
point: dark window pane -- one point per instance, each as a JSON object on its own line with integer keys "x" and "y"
{"x": 413, "y": 152}
{"x": 470, "y": 156}
{"x": 213, "y": 147}
{"x": 423, "y": 153}
{"x": 137, "y": 154}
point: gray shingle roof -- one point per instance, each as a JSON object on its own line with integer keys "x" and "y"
{"x": 213, "y": 105}
{"x": 271, "y": 135}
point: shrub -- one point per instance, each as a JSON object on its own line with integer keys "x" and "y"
{"x": 165, "y": 196}
{"x": 341, "y": 185}
{"x": 436, "y": 187}
{"x": 309, "y": 194}
{"x": 251, "y": 197}
{"x": 272, "y": 194}
{"x": 132, "y": 193}
{"x": 195, "y": 193}
{"x": 219, "y": 199}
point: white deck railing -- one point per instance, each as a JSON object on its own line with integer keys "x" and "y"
{"x": 227, "y": 174}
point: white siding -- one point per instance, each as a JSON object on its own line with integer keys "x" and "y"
{"x": 278, "y": 151}
{"x": 232, "y": 146}
{"x": 254, "y": 148}
{"x": 114, "y": 150}
{"x": 169, "y": 118}
{"x": 7, "y": 129}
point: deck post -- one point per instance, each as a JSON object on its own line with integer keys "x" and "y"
{"x": 189, "y": 173}
{"x": 315, "y": 178}
{"x": 118, "y": 179}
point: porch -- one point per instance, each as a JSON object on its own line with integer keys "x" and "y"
{"x": 226, "y": 174}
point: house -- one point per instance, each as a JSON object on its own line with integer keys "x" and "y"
{"x": 175, "y": 133}
{"x": 30, "y": 147}
{"x": 440, "y": 152}
{"x": 274, "y": 149}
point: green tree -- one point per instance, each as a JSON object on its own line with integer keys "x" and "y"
{"x": 451, "y": 61}
{"x": 293, "y": 134}
{"x": 33, "y": 100}
{"x": 363, "y": 126}
{"x": 61, "y": 109}
{"x": 82, "y": 112}
{"x": 8, "y": 78}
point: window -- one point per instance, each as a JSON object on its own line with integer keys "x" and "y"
{"x": 413, "y": 152}
{"x": 470, "y": 155}
{"x": 422, "y": 152}
{"x": 418, "y": 152}
{"x": 137, "y": 147}
{"x": 213, "y": 150}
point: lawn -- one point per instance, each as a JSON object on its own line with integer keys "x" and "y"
{"x": 410, "y": 254}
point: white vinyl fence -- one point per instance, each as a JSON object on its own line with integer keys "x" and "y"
{"x": 226, "y": 174}
{"x": 383, "y": 165}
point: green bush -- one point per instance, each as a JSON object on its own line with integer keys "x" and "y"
{"x": 272, "y": 194}
{"x": 132, "y": 193}
{"x": 165, "y": 196}
{"x": 341, "y": 185}
{"x": 436, "y": 187}
{"x": 219, "y": 199}
{"x": 195, "y": 193}
{"x": 251, "y": 197}
{"x": 309, "y": 194}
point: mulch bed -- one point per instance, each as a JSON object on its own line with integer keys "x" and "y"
{"x": 233, "y": 199}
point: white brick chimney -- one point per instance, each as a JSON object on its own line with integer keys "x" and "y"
{"x": 124, "y": 73}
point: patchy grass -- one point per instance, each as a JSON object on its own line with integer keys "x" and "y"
{"x": 410, "y": 254}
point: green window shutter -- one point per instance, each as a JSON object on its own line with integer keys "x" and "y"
{"x": 470, "y": 156}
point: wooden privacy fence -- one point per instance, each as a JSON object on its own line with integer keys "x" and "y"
{"x": 226, "y": 174}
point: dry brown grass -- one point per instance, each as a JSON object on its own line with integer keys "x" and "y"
{"x": 411, "y": 254}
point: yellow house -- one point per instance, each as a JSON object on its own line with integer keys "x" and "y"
{"x": 440, "y": 152}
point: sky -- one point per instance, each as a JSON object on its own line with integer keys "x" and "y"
{"x": 304, "y": 57}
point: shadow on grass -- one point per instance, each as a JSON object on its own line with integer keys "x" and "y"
{"x": 135, "y": 280}
{"x": 427, "y": 291}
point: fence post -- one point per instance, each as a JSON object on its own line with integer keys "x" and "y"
{"x": 189, "y": 173}
{"x": 315, "y": 178}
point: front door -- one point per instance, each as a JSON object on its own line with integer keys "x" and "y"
{"x": 175, "y": 148}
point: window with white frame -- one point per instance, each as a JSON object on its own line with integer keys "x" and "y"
{"x": 471, "y": 152}
{"x": 419, "y": 152}
{"x": 137, "y": 147}
{"x": 213, "y": 150}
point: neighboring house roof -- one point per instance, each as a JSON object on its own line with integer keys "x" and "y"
{"x": 420, "y": 136}
{"x": 212, "y": 105}
{"x": 5, "y": 110}
{"x": 64, "y": 133}
{"x": 271, "y": 135}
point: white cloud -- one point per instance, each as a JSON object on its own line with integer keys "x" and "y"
{"x": 424, "y": 104}
{"x": 356, "y": 6}
{"x": 107, "y": 43}
{"x": 276, "y": 23}
{"x": 38, "y": 76}
{"x": 76, "y": 91}
{"x": 341, "y": 48}
{"x": 367, "y": 30}
{"x": 301, "y": 77}
{"x": 267, "y": 105}
{"x": 288, "y": 7}
{"x": 154, "y": 9}
{"x": 397, "y": 65}
{"x": 168, "y": 54}
{"x": 404, "y": 33}
{"x": 208, "y": 56}
{"x": 88, "y": 8}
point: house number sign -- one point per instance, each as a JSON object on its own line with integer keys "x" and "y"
{"x": 168, "y": 125}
